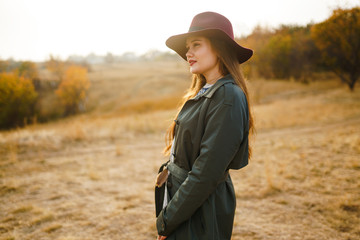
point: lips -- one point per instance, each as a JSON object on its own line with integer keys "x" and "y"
{"x": 191, "y": 62}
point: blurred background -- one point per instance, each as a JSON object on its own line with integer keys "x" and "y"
{"x": 88, "y": 89}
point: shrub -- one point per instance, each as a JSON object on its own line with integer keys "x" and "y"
{"x": 17, "y": 98}
{"x": 73, "y": 89}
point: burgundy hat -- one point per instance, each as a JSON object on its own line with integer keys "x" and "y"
{"x": 209, "y": 24}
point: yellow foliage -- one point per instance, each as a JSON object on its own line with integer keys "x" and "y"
{"x": 338, "y": 39}
{"x": 73, "y": 88}
{"x": 16, "y": 99}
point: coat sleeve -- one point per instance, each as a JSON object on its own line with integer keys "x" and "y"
{"x": 222, "y": 137}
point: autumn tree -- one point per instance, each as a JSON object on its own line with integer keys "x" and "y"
{"x": 73, "y": 88}
{"x": 285, "y": 52}
{"x": 278, "y": 52}
{"x": 17, "y": 98}
{"x": 338, "y": 39}
{"x": 290, "y": 52}
{"x": 28, "y": 70}
{"x": 257, "y": 40}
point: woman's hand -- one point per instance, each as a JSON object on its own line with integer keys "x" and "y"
{"x": 161, "y": 237}
{"x": 162, "y": 177}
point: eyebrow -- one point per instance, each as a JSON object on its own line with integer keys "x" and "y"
{"x": 196, "y": 39}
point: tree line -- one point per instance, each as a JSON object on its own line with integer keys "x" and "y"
{"x": 292, "y": 51}
{"x": 25, "y": 98}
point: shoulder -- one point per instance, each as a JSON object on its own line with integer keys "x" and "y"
{"x": 229, "y": 93}
{"x": 233, "y": 93}
{"x": 230, "y": 104}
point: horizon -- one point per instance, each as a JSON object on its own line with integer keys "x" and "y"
{"x": 35, "y": 30}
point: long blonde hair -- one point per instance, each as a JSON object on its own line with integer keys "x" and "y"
{"x": 228, "y": 63}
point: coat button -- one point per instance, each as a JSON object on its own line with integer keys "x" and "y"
{"x": 169, "y": 184}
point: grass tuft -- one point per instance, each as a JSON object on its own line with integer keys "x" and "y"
{"x": 52, "y": 228}
{"x": 23, "y": 209}
{"x": 42, "y": 219}
{"x": 7, "y": 189}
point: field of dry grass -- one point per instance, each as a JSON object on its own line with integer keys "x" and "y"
{"x": 92, "y": 176}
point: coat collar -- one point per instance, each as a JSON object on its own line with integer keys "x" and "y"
{"x": 208, "y": 94}
{"x": 227, "y": 79}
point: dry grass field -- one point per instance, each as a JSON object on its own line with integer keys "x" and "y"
{"x": 92, "y": 176}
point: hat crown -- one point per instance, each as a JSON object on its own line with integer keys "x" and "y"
{"x": 211, "y": 20}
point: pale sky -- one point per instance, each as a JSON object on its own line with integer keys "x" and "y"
{"x": 34, "y": 29}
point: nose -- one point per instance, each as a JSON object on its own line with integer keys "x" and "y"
{"x": 188, "y": 54}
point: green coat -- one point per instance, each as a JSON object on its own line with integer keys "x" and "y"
{"x": 211, "y": 137}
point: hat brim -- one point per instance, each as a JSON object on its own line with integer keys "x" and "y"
{"x": 178, "y": 43}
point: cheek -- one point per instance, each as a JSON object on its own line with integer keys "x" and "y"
{"x": 213, "y": 60}
{"x": 209, "y": 55}
{"x": 210, "y": 60}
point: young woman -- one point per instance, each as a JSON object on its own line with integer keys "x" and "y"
{"x": 209, "y": 136}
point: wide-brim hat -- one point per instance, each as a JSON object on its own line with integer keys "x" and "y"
{"x": 209, "y": 24}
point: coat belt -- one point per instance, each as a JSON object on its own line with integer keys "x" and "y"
{"x": 182, "y": 174}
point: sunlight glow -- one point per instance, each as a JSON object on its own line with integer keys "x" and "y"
{"x": 31, "y": 30}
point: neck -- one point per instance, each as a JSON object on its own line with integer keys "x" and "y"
{"x": 213, "y": 78}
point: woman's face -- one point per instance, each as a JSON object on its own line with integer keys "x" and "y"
{"x": 201, "y": 56}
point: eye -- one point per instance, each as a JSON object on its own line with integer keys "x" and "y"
{"x": 193, "y": 44}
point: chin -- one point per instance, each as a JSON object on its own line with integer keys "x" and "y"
{"x": 194, "y": 71}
